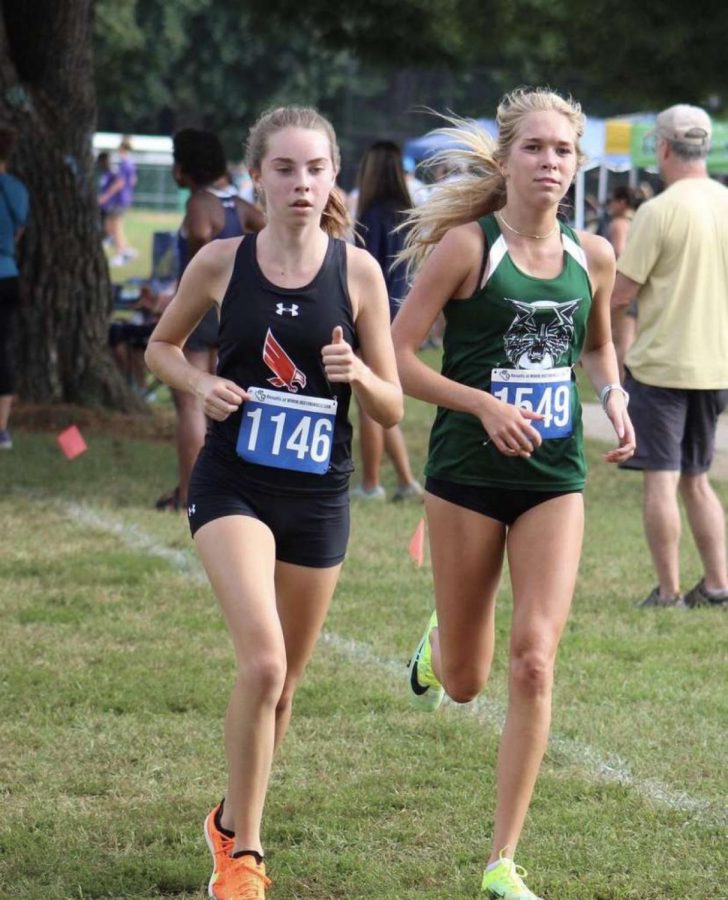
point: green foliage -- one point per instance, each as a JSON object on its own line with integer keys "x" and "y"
{"x": 622, "y": 55}
{"x": 161, "y": 67}
{"x": 380, "y": 31}
{"x": 219, "y": 63}
{"x": 137, "y": 43}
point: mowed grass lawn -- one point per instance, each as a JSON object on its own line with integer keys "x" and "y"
{"x": 139, "y": 227}
{"x": 115, "y": 671}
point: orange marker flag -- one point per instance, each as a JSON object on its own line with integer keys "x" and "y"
{"x": 417, "y": 543}
{"x": 71, "y": 442}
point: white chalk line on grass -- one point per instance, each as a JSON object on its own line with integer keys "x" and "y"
{"x": 587, "y": 759}
{"x": 579, "y": 755}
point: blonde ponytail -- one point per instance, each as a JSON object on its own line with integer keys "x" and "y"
{"x": 477, "y": 188}
{"x": 475, "y": 158}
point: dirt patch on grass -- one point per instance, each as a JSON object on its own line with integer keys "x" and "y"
{"x": 156, "y": 425}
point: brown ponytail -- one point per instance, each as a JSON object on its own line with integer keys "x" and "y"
{"x": 336, "y": 220}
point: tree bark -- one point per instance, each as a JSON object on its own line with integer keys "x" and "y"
{"x": 47, "y": 93}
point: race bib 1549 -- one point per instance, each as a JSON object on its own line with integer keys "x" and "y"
{"x": 546, "y": 391}
{"x": 287, "y": 431}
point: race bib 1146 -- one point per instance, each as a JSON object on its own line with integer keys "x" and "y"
{"x": 287, "y": 431}
{"x": 545, "y": 391}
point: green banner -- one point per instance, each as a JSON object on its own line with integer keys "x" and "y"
{"x": 642, "y": 147}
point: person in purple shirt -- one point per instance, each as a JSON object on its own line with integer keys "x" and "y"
{"x": 115, "y": 197}
{"x": 109, "y": 186}
{"x": 13, "y": 215}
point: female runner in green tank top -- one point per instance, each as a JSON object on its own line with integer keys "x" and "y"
{"x": 525, "y": 297}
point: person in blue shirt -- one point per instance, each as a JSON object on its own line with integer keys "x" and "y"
{"x": 13, "y": 216}
{"x": 382, "y": 201}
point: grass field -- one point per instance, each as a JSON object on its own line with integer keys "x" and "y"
{"x": 139, "y": 226}
{"x": 116, "y": 669}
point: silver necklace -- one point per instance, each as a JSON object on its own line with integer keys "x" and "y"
{"x": 535, "y": 237}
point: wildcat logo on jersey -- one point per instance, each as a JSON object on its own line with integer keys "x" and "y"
{"x": 540, "y": 333}
{"x": 281, "y": 364}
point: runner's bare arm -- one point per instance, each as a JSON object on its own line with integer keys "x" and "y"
{"x": 373, "y": 374}
{"x": 202, "y": 285}
{"x": 599, "y": 357}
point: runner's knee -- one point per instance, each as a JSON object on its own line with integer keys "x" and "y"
{"x": 263, "y": 676}
{"x": 463, "y": 683}
{"x": 531, "y": 672}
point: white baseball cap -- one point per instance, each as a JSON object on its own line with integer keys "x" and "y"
{"x": 684, "y": 124}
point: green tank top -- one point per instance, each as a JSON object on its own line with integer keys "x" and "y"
{"x": 519, "y": 338}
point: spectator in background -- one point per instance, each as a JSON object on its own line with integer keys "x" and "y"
{"x": 110, "y": 187}
{"x": 240, "y": 177}
{"x": 675, "y": 265}
{"x": 114, "y": 200}
{"x": 128, "y": 337}
{"x": 108, "y": 184}
{"x": 13, "y": 216}
{"x": 128, "y": 172}
{"x": 214, "y": 210}
{"x": 382, "y": 199}
{"x": 621, "y": 209}
{"x": 418, "y": 190}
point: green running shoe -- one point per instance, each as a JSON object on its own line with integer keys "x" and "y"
{"x": 425, "y": 690}
{"x": 505, "y": 882}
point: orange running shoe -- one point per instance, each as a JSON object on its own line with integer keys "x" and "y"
{"x": 221, "y": 846}
{"x": 240, "y": 878}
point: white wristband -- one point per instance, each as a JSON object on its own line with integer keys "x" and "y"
{"x": 606, "y": 391}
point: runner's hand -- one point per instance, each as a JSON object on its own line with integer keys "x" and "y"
{"x": 622, "y": 424}
{"x": 340, "y": 361}
{"x": 509, "y": 427}
{"x": 220, "y": 396}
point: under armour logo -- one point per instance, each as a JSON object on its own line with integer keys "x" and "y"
{"x": 191, "y": 510}
{"x": 281, "y": 309}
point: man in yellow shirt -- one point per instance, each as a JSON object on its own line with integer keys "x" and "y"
{"x": 675, "y": 264}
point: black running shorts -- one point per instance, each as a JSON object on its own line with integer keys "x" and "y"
{"x": 310, "y": 529}
{"x": 503, "y": 504}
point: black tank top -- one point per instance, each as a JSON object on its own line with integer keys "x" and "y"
{"x": 260, "y": 324}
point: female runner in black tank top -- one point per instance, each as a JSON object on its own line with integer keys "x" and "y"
{"x": 268, "y": 497}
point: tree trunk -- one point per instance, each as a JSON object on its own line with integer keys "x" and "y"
{"x": 47, "y": 94}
